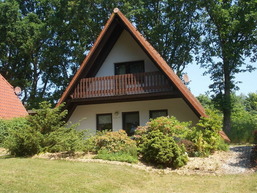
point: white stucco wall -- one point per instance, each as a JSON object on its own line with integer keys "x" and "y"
{"x": 125, "y": 49}
{"x": 86, "y": 114}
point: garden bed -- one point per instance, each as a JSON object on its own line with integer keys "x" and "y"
{"x": 234, "y": 161}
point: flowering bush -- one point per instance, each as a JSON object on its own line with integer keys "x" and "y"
{"x": 116, "y": 143}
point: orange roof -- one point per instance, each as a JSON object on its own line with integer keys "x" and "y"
{"x": 150, "y": 51}
{"x": 10, "y": 104}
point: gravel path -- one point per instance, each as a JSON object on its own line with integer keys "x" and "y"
{"x": 239, "y": 161}
{"x": 234, "y": 161}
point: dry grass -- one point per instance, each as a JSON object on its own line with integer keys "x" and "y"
{"x": 40, "y": 175}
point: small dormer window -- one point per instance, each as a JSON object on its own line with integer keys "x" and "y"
{"x": 129, "y": 67}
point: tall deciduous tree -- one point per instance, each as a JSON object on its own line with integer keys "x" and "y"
{"x": 171, "y": 27}
{"x": 230, "y": 37}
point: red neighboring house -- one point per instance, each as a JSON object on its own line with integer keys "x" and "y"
{"x": 10, "y": 104}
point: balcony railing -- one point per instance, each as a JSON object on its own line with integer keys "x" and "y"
{"x": 118, "y": 85}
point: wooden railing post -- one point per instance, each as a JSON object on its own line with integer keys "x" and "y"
{"x": 126, "y": 84}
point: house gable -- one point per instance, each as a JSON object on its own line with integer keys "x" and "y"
{"x": 94, "y": 64}
{"x": 126, "y": 49}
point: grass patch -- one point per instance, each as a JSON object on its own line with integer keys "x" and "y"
{"x": 118, "y": 156}
{"x": 40, "y": 175}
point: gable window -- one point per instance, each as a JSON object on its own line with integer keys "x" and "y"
{"x": 129, "y": 67}
{"x": 158, "y": 113}
{"x": 104, "y": 122}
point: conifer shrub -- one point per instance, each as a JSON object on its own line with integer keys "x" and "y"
{"x": 161, "y": 150}
{"x": 23, "y": 141}
{"x": 6, "y": 125}
{"x": 167, "y": 125}
{"x": 44, "y": 131}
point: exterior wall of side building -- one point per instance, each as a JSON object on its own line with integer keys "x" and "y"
{"x": 86, "y": 114}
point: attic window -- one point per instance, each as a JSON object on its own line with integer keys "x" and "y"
{"x": 129, "y": 67}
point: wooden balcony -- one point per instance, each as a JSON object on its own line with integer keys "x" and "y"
{"x": 120, "y": 85}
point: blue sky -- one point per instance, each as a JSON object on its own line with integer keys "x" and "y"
{"x": 199, "y": 84}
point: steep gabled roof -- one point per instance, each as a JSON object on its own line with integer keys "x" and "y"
{"x": 10, "y": 104}
{"x": 107, "y": 38}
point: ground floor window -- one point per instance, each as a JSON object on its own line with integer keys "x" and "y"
{"x": 158, "y": 113}
{"x": 130, "y": 122}
{"x": 104, "y": 122}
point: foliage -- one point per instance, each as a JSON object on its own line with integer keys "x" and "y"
{"x": 255, "y": 136}
{"x": 6, "y": 125}
{"x": 171, "y": 27}
{"x": 206, "y": 134}
{"x": 117, "y": 144}
{"x": 228, "y": 40}
{"x": 63, "y": 139}
{"x": 47, "y": 119}
{"x": 23, "y": 141}
{"x": 161, "y": 149}
{"x": 44, "y": 131}
{"x": 43, "y": 42}
{"x": 116, "y": 156}
{"x": 190, "y": 147}
{"x": 167, "y": 125}
{"x": 198, "y": 141}
{"x": 244, "y": 123}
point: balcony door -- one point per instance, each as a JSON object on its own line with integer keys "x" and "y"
{"x": 130, "y": 122}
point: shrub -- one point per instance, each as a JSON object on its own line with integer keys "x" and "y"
{"x": 115, "y": 143}
{"x": 45, "y": 131}
{"x": 206, "y": 134}
{"x": 3, "y": 130}
{"x": 47, "y": 119}
{"x": 167, "y": 125}
{"x": 63, "y": 139}
{"x": 190, "y": 147}
{"x": 6, "y": 125}
{"x": 160, "y": 149}
{"x": 23, "y": 141}
{"x": 255, "y": 136}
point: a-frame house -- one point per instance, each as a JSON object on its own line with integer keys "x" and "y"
{"x": 123, "y": 82}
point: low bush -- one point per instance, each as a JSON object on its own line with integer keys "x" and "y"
{"x": 206, "y": 135}
{"x": 161, "y": 149}
{"x": 23, "y": 141}
{"x": 6, "y": 125}
{"x": 44, "y": 131}
{"x": 117, "y": 144}
{"x": 190, "y": 147}
{"x": 167, "y": 125}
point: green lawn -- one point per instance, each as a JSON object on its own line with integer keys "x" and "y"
{"x": 40, "y": 175}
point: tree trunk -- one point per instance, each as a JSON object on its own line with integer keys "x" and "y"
{"x": 226, "y": 102}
